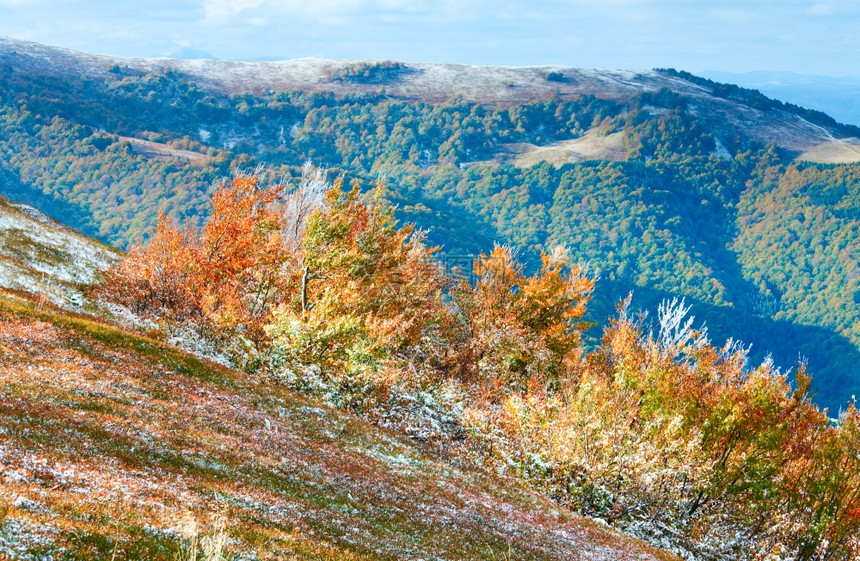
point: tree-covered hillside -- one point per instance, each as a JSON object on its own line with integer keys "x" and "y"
{"x": 763, "y": 245}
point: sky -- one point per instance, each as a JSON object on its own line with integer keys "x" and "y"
{"x": 820, "y": 37}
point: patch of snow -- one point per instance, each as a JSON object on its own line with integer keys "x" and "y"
{"x": 24, "y": 503}
{"x": 720, "y": 151}
{"x": 41, "y": 256}
{"x": 20, "y": 536}
{"x": 33, "y": 213}
{"x": 188, "y": 340}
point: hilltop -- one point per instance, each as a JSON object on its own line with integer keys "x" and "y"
{"x": 436, "y": 82}
{"x": 39, "y": 255}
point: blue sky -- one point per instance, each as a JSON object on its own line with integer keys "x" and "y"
{"x": 807, "y": 36}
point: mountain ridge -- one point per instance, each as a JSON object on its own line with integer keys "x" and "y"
{"x": 440, "y": 81}
{"x": 835, "y": 95}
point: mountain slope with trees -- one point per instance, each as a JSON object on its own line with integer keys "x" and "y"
{"x": 658, "y": 431}
{"x": 686, "y": 198}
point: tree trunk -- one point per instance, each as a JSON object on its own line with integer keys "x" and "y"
{"x": 305, "y": 279}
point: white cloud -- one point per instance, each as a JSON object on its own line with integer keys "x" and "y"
{"x": 220, "y": 10}
{"x": 342, "y": 11}
{"x": 821, "y": 10}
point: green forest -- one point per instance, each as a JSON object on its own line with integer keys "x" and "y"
{"x": 762, "y": 247}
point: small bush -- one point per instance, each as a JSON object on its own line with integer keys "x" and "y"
{"x": 385, "y": 72}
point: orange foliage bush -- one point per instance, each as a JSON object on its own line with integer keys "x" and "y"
{"x": 523, "y": 329}
{"x": 676, "y": 439}
{"x": 223, "y": 281}
{"x": 152, "y": 280}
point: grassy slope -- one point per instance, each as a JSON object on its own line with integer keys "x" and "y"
{"x": 108, "y": 440}
{"x": 40, "y": 255}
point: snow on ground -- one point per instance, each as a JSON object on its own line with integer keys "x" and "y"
{"x": 41, "y": 256}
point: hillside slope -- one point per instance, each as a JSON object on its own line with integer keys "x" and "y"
{"x": 668, "y": 184}
{"x": 40, "y": 255}
{"x": 110, "y": 443}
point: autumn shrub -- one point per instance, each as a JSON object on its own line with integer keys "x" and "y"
{"x": 523, "y": 329}
{"x": 369, "y": 290}
{"x": 371, "y": 317}
{"x": 152, "y": 281}
{"x": 224, "y": 280}
{"x": 317, "y": 286}
{"x": 682, "y": 443}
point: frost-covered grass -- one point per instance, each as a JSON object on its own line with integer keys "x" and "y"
{"x": 40, "y": 256}
{"x": 110, "y": 441}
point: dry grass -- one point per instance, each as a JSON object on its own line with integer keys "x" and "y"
{"x": 160, "y": 150}
{"x": 833, "y": 152}
{"x": 200, "y": 542}
{"x": 594, "y": 145}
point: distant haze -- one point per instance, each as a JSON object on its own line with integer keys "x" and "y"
{"x": 838, "y": 97}
{"x": 805, "y": 36}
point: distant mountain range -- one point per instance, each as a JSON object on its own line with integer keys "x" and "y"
{"x": 433, "y": 82}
